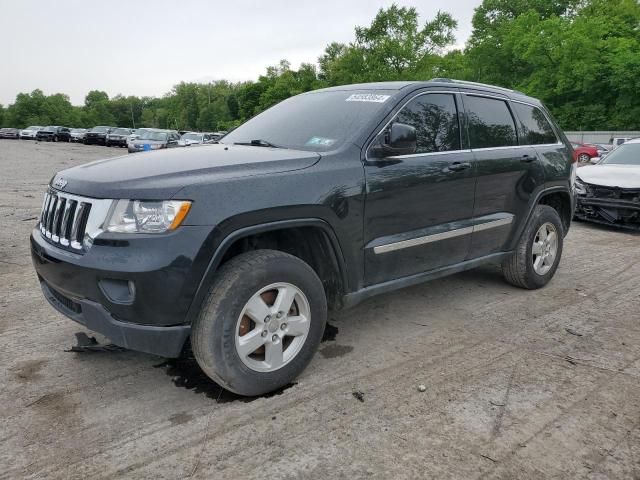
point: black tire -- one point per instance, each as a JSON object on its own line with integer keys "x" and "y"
{"x": 213, "y": 332}
{"x": 518, "y": 268}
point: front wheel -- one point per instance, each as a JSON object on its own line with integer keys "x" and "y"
{"x": 261, "y": 323}
{"x": 583, "y": 158}
{"x": 536, "y": 257}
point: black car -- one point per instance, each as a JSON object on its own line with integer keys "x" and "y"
{"x": 117, "y": 137}
{"x": 97, "y": 135}
{"x": 239, "y": 249}
{"x": 54, "y": 134}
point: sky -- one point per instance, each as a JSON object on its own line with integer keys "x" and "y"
{"x": 143, "y": 48}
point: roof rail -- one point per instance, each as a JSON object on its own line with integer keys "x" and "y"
{"x": 477, "y": 84}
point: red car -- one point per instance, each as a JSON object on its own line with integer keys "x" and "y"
{"x": 583, "y": 152}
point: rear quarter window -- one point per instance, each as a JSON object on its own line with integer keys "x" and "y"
{"x": 534, "y": 126}
{"x": 490, "y": 122}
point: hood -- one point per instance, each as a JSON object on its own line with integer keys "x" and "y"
{"x": 623, "y": 176}
{"x": 160, "y": 174}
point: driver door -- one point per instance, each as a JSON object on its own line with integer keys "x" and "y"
{"x": 419, "y": 207}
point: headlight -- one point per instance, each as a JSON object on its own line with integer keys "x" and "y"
{"x": 136, "y": 216}
{"x": 581, "y": 188}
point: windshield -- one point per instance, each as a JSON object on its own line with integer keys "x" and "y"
{"x": 625, "y": 154}
{"x": 192, "y": 136}
{"x": 35, "y": 127}
{"x": 157, "y": 136}
{"x": 317, "y": 121}
{"x": 121, "y": 131}
{"x": 49, "y": 129}
{"x": 78, "y": 130}
{"x": 99, "y": 129}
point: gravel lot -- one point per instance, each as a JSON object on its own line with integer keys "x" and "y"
{"x": 519, "y": 384}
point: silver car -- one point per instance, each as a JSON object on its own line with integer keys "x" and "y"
{"x": 154, "y": 139}
{"x": 29, "y": 133}
{"x": 77, "y": 134}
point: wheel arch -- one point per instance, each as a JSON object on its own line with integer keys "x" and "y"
{"x": 322, "y": 241}
{"x": 558, "y": 197}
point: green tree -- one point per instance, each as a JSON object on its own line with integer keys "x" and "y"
{"x": 394, "y": 47}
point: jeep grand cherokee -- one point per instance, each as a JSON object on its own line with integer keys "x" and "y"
{"x": 239, "y": 249}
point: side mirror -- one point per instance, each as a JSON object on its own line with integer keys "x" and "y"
{"x": 399, "y": 139}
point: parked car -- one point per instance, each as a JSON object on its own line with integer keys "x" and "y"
{"x": 609, "y": 192}
{"x": 135, "y": 134}
{"x": 195, "y": 138}
{"x": 320, "y": 202}
{"x": 54, "y": 133}
{"x": 617, "y": 141}
{"x": 77, "y": 134}
{"x": 584, "y": 152}
{"x": 154, "y": 139}
{"x": 10, "y": 133}
{"x": 117, "y": 137}
{"x": 97, "y": 135}
{"x": 29, "y": 133}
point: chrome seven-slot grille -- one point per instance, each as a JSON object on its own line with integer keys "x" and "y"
{"x": 64, "y": 219}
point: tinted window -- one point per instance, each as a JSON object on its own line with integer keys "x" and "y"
{"x": 435, "y": 118}
{"x": 490, "y": 123}
{"x": 534, "y": 127}
{"x": 315, "y": 121}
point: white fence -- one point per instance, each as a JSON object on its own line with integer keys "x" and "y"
{"x": 603, "y": 136}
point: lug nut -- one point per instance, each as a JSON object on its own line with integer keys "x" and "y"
{"x": 264, "y": 333}
{"x": 279, "y": 315}
{"x": 267, "y": 319}
{"x": 283, "y": 326}
{"x": 274, "y": 338}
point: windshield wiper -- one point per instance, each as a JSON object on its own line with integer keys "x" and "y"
{"x": 259, "y": 143}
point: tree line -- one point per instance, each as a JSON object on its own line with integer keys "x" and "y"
{"x": 580, "y": 57}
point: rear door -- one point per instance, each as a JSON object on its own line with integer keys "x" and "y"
{"x": 419, "y": 207}
{"x": 508, "y": 173}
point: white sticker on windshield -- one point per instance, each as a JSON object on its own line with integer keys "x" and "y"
{"x": 367, "y": 97}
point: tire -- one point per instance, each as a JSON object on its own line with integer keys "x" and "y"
{"x": 583, "y": 158}
{"x": 520, "y": 268}
{"x": 216, "y": 331}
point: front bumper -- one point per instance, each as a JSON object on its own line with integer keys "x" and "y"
{"x": 121, "y": 142}
{"x": 136, "y": 292}
{"x": 164, "y": 341}
{"x": 616, "y": 212}
{"x": 99, "y": 140}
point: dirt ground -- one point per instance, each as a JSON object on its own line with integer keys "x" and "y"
{"x": 519, "y": 384}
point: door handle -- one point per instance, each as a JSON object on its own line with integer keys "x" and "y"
{"x": 527, "y": 158}
{"x": 457, "y": 166}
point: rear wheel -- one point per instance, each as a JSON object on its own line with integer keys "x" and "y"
{"x": 536, "y": 258}
{"x": 583, "y": 158}
{"x": 261, "y": 323}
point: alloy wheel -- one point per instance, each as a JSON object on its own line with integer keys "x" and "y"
{"x": 545, "y": 248}
{"x": 272, "y": 327}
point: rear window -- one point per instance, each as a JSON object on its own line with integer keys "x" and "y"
{"x": 490, "y": 123}
{"x": 534, "y": 126}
